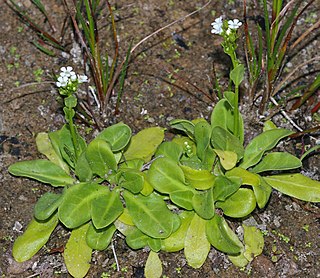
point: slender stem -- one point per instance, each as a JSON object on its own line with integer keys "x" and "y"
{"x": 73, "y": 132}
{"x": 236, "y": 111}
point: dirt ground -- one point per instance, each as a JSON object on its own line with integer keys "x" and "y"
{"x": 29, "y": 106}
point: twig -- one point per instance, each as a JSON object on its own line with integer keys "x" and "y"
{"x": 115, "y": 256}
{"x": 284, "y": 114}
{"x": 306, "y": 33}
{"x": 277, "y": 89}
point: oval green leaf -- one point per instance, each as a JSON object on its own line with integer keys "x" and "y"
{"x": 35, "y": 236}
{"x": 75, "y": 208}
{"x": 183, "y": 125}
{"x": 296, "y": 185}
{"x": 153, "y": 268}
{"x": 277, "y": 161}
{"x": 196, "y": 243}
{"x": 100, "y": 239}
{"x": 260, "y": 144}
{"x": 203, "y": 205}
{"x": 239, "y": 204}
{"x": 150, "y": 214}
{"x": 105, "y": 209}
{"x": 118, "y": 136}
{"x": 82, "y": 168}
{"x": 132, "y": 180}
{"x": 222, "y": 139}
{"x": 198, "y": 179}
{"x": 227, "y": 159}
{"x": 166, "y": 176}
{"x": 41, "y": 170}
{"x": 224, "y": 187}
{"x": 77, "y": 253}
{"x": 170, "y": 150}
{"x": 144, "y": 144}
{"x": 182, "y": 198}
{"x": 222, "y": 237}
{"x": 254, "y": 242}
{"x": 47, "y": 205}
{"x": 45, "y": 147}
{"x": 100, "y": 158}
{"x": 175, "y": 242}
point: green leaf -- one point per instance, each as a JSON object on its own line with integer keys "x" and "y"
{"x": 99, "y": 239}
{"x": 262, "y": 193}
{"x": 150, "y": 214}
{"x": 260, "y": 144}
{"x": 175, "y": 242}
{"x": 222, "y": 139}
{"x": 41, "y": 170}
{"x": 246, "y": 177}
{"x": 228, "y": 159}
{"x": 183, "y": 125}
{"x": 105, "y": 209}
{"x": 136, "y": 239}
{"x": 169, "y": 150}
{"x": 296, "y": 185}
{"x": 132, "y": 164}
{"x": 100, "y": 157}
{"x": 269, "y": 125}
{"x": 154, "y": 244}
{"x": 224, "y": 187}
{"x": 223, "y": 116}
{"x": 75, "y": 208}
{"x": 202, "y": 134}
{"x": 47, "y": 205}
{"x": 254, "y": 242}
{"x": 61, "y": 141}
{"x": 45, "y": 147}
{"x": 82, "y": 168}
{"x": 35, "y": 236}
{"x": 153, "y": 268}
{"x": 182, "y": 198}
{"x": 147, "y": 187}
{"x": 239, "y": 204}
{"x": 237, "y": 74}
{"x": 239, "y": 260}
{"x": 222, "y": 237}
{"x": 118, "y": 136}
{"x": 144, "y": 144}
{"x": 197, "y": 246}
{"x": 261, "y": 189}
{"x": 166, "y": 176}
{"x": 131, "y": 179}
{"x": 203, "y": 205}
{"x": 77, "y": 254}
{"x": 277, "y": 161}
{"x": 199, "y": 179}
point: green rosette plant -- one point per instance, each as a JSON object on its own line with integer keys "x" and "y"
{"x": 166, "y": 196}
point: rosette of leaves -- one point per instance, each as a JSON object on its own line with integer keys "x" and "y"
{"x": 207, "y": 173}
{"x": 103, "y": 188}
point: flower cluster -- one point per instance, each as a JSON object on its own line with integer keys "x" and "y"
{"x": 68, "y": 80}
{"x": 218, "y": 26}
{"x": 228, "y": 30}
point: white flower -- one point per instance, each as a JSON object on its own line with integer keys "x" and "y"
{"x": 62, "y": 81}
{"x": 217, "y": 26}
{"x": 144, "y": 111}
{"x": 82, "y": 78}
{"x": 73, "y": 76}
{"x": 67, "y": 71}
{"x": 234, "y": 24}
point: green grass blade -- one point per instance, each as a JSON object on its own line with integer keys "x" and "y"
{"x": 122, "y": 76}
{"x": 44, "y": 49}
